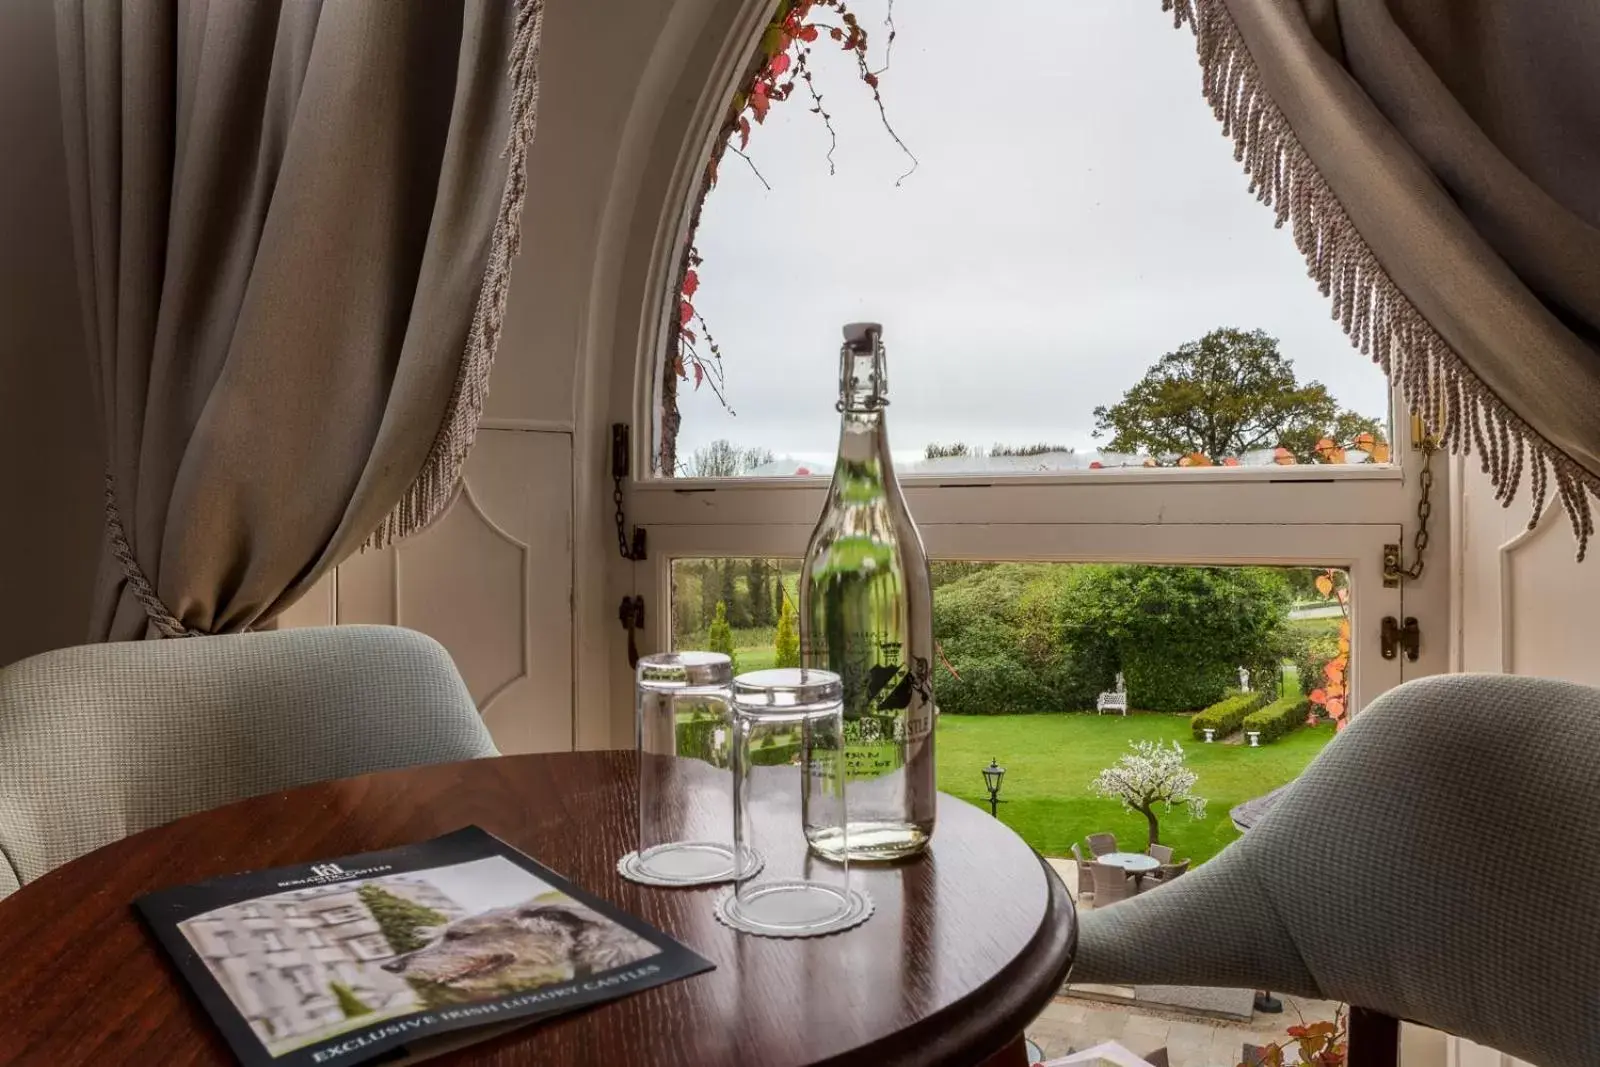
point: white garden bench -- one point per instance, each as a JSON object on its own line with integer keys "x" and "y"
{"x": 1115, "y": 700}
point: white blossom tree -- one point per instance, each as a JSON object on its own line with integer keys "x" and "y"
{"x": 1152, "y": 774}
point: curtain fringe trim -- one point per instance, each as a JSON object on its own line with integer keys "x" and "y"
{"x": 1456, "y": 406}
{"x": 430, "y": 494}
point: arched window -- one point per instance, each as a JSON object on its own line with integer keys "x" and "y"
{"x": 1100, "y": 347}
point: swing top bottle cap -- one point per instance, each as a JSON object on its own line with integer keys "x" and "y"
{"x": 857, "y": 333}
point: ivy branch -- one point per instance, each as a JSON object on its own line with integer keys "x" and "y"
{"x": 782, "y": 61}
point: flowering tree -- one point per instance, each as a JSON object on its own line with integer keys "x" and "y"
{"x": 1152, "y": 774}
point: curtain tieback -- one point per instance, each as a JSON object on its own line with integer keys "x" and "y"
{"x": 165, "y": 621}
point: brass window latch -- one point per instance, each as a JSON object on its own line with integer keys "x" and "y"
{"x": 1397, "y": 637}
{"x": 631, "y": 615}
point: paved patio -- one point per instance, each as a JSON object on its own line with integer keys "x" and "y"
{"x": 1198, "y": 1028}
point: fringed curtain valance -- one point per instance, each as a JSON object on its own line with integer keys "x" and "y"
{"x": 1439, "y": 163}
{"x": 294, "y": 223}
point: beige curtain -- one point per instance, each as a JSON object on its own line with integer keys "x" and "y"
{"x": 1439, "y": 162}
{"x": 293, "y": 225}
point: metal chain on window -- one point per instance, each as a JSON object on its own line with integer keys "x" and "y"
{"x": 1424, "y": 511}
{"x": 622, "y": 520}
{"x": 631, "y": 548}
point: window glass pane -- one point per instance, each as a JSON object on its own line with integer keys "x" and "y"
{"x": 1074, "y": 276}
{"x": 1058, "y": 669}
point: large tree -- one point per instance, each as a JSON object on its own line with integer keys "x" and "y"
{"x": 1228, "y": 393}
{"x": 762, "y": 612}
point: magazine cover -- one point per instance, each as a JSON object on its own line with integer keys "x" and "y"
{"x": 361, "y": 958}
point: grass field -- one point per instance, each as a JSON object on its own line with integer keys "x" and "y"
{"x": 1050, "y": 760}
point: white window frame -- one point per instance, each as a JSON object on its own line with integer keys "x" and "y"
{"x": 1319, "y": 515}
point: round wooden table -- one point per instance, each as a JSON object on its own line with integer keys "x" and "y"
{"x": 967, "y": 945}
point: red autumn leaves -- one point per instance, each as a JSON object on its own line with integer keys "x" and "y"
{"x": 1332, "y": 691}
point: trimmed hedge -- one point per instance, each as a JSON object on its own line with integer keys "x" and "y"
{"x": 1226, "y": 715}
{"x": 1278, "y": 718}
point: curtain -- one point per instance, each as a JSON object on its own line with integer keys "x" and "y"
{"x": 1439, "y": 162}
{"x": 293, "y": 225}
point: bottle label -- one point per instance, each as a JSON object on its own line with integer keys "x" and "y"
{"x": 887, "y": 704}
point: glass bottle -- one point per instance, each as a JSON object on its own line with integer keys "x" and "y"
{"x": 866, "y": 614}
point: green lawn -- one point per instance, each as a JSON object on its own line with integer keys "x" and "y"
{"x": 1050, "y": 760}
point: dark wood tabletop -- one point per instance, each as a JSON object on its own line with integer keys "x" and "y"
{"x": 967, "y": 945}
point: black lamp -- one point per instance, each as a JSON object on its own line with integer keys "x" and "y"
{"x": 993, "y": 775}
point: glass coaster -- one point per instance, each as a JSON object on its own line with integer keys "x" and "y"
{"x": 793, "y": 909}
{"x": 686, "y": 863}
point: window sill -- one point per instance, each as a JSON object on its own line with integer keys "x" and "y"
{"x": 1388, "y": 472}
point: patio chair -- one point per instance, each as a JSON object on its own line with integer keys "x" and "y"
{"x": 1085, "y": 879}
{"x": 1372, "y": 820}
{"x": 1160, "y": 852}
{"x": 1168, "y": 871}
{"x": 1101, "y": 844}
{"x": 1111, "y": 884}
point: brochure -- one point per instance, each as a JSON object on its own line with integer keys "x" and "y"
{"x": 366, "y": 958}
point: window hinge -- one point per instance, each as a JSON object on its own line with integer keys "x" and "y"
{"x": 1397, "y": 637}
{"x": 631, "y": 615}
{"x": 632, "y": 547}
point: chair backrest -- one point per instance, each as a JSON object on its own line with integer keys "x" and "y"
{"x": 1161, "y": 852}
{"x": 1376, "y": 819}
{"x": 1085, "y": 878}
{"x": 1101, "y": 844}
{"x": 1111, "y": 884}
{"x": 1169, "y": 871}
{"x": 103, "y": 741}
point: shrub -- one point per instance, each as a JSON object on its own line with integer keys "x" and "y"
{"x": 1226, "y": 715}
{"x": 1312, "y": 655}
{"x": 720, "y": 637}
{"x": 786, "y": 643}
{"x": 1049, "y": 637}
{"x": 1278, "y": 718}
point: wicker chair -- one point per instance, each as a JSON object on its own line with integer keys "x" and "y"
{"x": 1168, "y": 871}
{"x": 1161, "y": 852}
{"x": 1111, "y": 884}
{"x": 1100, "y": 844}
{"x": 1085, "y": 879}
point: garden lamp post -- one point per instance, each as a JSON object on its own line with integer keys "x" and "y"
{"x": 993, "y": 775}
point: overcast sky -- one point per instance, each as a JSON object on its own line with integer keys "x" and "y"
{"x": 1077, "y": 214}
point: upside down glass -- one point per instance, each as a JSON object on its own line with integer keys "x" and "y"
{"x": 685, "y": 742}
{"x": 789, "y": 776}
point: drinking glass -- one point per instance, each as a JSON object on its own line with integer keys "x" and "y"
{"x": 685, "y": 742}
{"x": 789, "y": 776}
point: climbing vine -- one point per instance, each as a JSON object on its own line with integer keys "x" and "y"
{"x": 1331, "y": 692}
{"x": 781, "y": 67}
